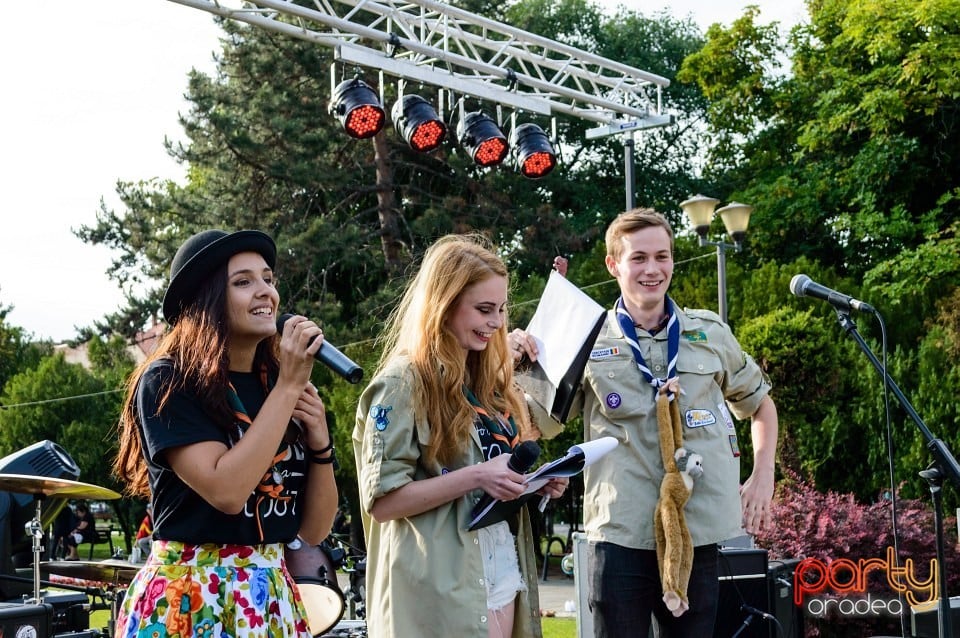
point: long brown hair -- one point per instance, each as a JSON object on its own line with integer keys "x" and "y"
{"x": 417, "y": 329}
{"x": 197, "y": 347}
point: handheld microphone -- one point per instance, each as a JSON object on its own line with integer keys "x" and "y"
{"x": 803, "y": 286}
{"x": 329, "y": 356}
{"x": 522, "y": 457}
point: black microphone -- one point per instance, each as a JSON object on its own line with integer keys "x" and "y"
{"x": 757, "y": 612}
{"x": 522, "y": 457}
{"x": 329, "y": 356}
{"x": 803, "y": 286}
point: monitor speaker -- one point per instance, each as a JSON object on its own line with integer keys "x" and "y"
{"x": 748, "y": 579}
{"x": 743, "y": 581}
{"x": 925, "y": 619}
{"x": 26, "y": 620}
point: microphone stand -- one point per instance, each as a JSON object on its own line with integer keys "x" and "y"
{"x": 746, "y": 623}
{"x": 944, "y": 465}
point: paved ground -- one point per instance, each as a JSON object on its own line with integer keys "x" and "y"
{"x": 558, "y": 595}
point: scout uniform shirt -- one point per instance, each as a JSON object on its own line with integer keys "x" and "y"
{"x": 621, "y": 492}
{"x": 425, "y": 572}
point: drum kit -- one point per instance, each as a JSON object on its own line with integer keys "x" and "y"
{"x": 311, "y": 566}
{"x": 88, "y": 577}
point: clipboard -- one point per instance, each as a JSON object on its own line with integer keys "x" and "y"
{"x": 572, "y": 463}
{"x": 565, "y": 326}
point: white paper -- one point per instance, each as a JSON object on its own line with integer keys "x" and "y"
{"x": 577, "y": 458}
{"x": 561, "y": 324}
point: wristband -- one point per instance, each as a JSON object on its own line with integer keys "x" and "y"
{"x": 321, "y": 450}
{"x": 325, "y": 460}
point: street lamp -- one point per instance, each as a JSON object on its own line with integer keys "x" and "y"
{"x": 736, "y": 217}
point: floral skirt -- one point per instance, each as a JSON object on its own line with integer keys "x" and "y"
{"x": 212, "y": 591}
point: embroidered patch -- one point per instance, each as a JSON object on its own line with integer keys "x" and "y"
{"x": 734, "y": 448}
{"x": 725, "y": 413}
{"x": 614, "y": 400}
{"x": 695, "y": 335}
{"x": 379, "y": 415}
{"x": 699, "y": 418}
{"x": 604, "y": 353}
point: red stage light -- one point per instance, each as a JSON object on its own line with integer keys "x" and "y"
{"x": 532, "y": 152}
{"x": 482, "y": 138}
{"x": 418, "y": 123}
{"x": 358, "y": 108}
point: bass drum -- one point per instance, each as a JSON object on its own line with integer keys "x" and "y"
{"x": 316, "y": 580}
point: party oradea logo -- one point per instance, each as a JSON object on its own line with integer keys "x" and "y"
{"x": 865, "y": 588}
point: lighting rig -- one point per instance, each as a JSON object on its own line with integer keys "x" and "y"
{"x": 359, "y": 109}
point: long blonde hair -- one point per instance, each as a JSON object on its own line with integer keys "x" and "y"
{"x": 417, "y": 330}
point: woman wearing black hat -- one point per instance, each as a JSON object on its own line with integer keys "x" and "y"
{"x": 222, "y": 429}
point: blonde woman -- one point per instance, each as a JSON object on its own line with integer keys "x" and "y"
{"x": 434, "y": 432}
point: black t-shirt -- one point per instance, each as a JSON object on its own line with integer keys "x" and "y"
{"x": 179, "y": 513}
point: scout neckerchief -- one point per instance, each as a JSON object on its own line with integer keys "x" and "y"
{"x": 495, "y": 433}
{"x": 673, "y": 342}
{"x": 271, "y": 485}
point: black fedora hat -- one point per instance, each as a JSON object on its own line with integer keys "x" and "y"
{"x": 200, "y": 255}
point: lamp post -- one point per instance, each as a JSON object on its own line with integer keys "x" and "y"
{"x": 736, "y": 217}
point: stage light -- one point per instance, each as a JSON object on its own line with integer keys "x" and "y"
{"x": 532, "y": 151}
{"x": 482, "y": 138}
{"x": 358, "y": 108}
{"x": 418, "y": 123}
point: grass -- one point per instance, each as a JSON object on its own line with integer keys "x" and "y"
{"x": 559, "y": 628}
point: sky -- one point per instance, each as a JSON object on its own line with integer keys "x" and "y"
{"x": 90, "y": 92}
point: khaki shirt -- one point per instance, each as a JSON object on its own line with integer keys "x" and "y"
{"x": 424, "y": 573}
{"x": 716, "y": 378}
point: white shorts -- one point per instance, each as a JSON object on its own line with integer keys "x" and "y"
{"x": 501, "y": 570}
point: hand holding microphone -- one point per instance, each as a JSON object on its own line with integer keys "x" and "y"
{"x": 521, "y": 459}
{"x": 329, "y": 356}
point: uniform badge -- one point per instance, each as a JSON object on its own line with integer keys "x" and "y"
{"x": 699, "y": 418}
{"x": 604, "y": 353}
{"x": 379, "y": 415}
{"x": 734, "y": 448}
{"x": 725, "y": 413}
{"x": 695, "y": 335}
{"x": 614, "y": 400}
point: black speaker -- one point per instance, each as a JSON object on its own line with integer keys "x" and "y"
{"x": 743, "y": 581}
{"x": 925, "y": 619}
{"x": 23, "y": 620}
{"x": 748, "y": 579}
{"x": 787, "y": 613}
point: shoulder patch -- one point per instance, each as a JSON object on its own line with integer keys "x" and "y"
{"x": 379, "y": 415}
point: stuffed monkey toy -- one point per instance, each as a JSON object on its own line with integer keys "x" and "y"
{"x": 674, "y": 546}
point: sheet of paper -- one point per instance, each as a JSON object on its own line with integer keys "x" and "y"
{"x": 576, "y": 459}
{"x": 562, "y": 322}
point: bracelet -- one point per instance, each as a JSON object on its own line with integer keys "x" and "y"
{"x": 326, "y": 460}
{"x": 323, "y": 449}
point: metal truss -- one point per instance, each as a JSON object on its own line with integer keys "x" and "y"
{"x": 434, "y": 43}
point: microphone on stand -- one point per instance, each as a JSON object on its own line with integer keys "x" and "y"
{"x": 752, "y": 612}
{"x": 330, "y": 356}
{"x": 803, "y": 286}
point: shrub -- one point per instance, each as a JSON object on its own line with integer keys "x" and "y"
{"x": 828, "y": 526}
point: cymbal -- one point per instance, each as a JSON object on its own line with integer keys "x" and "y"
{"x": 111, "y": 570}
{"x": 25, "y": 484}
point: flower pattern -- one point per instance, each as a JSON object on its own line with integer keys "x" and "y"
{"x": 213, "y": 591}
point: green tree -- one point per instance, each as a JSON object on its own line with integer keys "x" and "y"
{"x": 17, "y": 351}
{"x": 847, "y": 159}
